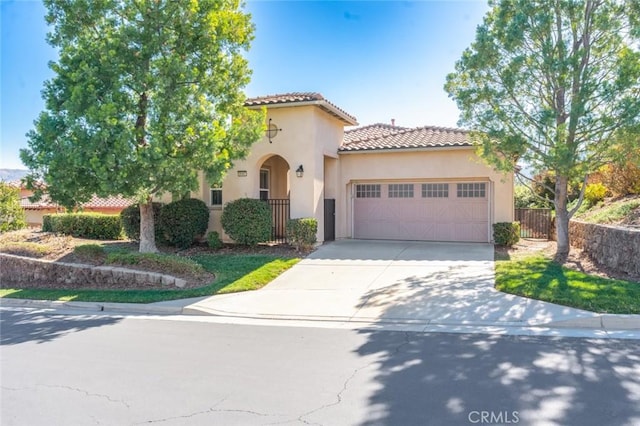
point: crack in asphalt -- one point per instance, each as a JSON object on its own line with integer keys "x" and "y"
{"x": 345, "y": 385}
{"x": 210, "y": 410}
{"x": 87, "y": 393}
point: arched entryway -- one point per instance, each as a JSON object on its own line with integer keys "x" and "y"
{"x": 274, "y": 187}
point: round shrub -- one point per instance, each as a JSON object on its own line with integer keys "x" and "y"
{"x": 130, "y": 218}
{"x": 183, "y": 220}
{"x": 506, "y": 233}
{"x": 301, "y": 233}
{"x": 594, "y": 193}
{"x": 247, "y": 221}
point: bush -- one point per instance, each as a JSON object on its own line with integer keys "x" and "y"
{"x": 302, "y": 232}
{"x": 621, "y": 179}
{"x": 183, "y": 220}
{"x": 130, "y": 218}
{"x": 506, "y": 233}
{"x": 594, "y": 193}
{"x": 89, "y": 251}
{"x": 96, "y": 226}
{"x": 247, "y": 221}
{"x": 12, "y": 216}
{"x": 213, "y": 240}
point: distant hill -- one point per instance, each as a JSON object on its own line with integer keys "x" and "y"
{"x": 9, "y": 175}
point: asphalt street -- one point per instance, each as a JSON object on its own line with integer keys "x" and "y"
{"x": 79, "y": 368}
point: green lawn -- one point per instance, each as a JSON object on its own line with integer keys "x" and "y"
{"x": 233, "y": 273}
{"x": 539, "y": 278}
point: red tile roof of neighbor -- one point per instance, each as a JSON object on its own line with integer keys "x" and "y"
{"x": 95, "y": 203}
{"x": 303, "y": 98}
{"x": 386, "y": 137}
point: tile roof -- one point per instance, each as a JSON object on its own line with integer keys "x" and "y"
{"x": 95, "y": 203}
{"x": 371, "y": 131}
{"x": 383, "y": 137}
{"x": 303, "y": 98}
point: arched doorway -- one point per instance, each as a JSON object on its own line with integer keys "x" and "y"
{"x": 274, "y": 187}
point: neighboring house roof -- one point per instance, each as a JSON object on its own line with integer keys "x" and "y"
{"x": 383, "y": 137}
{"x": 302, "y": 99}
{"x": 95, "y": 203}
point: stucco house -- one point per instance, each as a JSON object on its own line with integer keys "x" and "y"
{"x": 373, "y": 182}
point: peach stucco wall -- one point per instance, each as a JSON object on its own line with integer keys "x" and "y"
{"x": 307, "y": 135}
{"x": 451, "y": 164}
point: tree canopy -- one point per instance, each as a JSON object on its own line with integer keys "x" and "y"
{"x": 552, "y": 83}
{"x": 146, "y": 94}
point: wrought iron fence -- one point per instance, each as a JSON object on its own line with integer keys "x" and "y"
{"x": 280, "y": 211}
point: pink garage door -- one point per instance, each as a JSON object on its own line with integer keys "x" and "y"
{"x": 422, "y": 211}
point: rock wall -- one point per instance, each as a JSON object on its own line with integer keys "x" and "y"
{"x": 611, "y": 246}
{"x": 15, "y": 270}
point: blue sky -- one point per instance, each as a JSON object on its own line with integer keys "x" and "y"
{"x": 376, "y": 60}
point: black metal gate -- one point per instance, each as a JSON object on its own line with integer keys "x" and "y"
{"x": 534, "y": 223}
{"x": 329, "y": 219}
{"x": 280, "y": 213}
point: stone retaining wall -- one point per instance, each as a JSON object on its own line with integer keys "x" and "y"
{"x": 611, "y": 246}
{"x": 15, "y": 270}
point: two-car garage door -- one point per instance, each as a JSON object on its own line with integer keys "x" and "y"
{"x": 434, "y": 211}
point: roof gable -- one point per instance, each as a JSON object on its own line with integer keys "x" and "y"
{"x": 302, "y": 99}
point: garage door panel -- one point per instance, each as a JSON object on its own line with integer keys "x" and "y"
{"x": 436, "y": 218}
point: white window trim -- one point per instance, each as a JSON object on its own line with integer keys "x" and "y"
{"x": 268, "y": 188}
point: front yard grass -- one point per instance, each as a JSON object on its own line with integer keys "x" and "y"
{"x": 538, "y": 277}
{"x": 233, "y": 273}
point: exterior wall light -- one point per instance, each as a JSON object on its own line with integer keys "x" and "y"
{"x": 300, "y": 171}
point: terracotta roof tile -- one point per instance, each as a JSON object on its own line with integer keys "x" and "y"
{"x": 95, "y": 203}
{"x": 301, "y": 97}
{"x": 371, "y": 131}
{"x": 383, "y": 137}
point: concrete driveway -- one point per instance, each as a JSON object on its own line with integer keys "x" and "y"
{"x": 391, "y": 281}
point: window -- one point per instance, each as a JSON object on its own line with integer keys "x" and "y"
{"x": 368, "y": 191}
{"x": 435, "y": 190}
{"x": 264, "y": 184}
{"x": 400, "y": 190}
{"x": 216, "y": 197}
{"x": 471, "y": 190}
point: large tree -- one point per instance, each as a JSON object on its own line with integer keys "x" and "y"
{"x": 146, "y": 94}
{"x": 550, "y": 83}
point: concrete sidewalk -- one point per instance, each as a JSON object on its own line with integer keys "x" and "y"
{"x": 390, "y": 284}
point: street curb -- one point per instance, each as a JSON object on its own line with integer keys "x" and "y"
{"x": 124, "y": 308}
{"x": 603, "y": 323}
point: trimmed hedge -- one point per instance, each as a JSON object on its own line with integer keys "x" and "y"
{"x": 506, "y": 233}
{"x": 301, "y": 232}
{"x": 247, "y": 221}
{"x": 183, "y": 220}
{"x": 97, "y": 226}
{"x": 130, "y": 218}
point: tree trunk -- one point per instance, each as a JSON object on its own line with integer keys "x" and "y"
{"x": 562, "y": 217}
{"x": 147, "y": 228}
